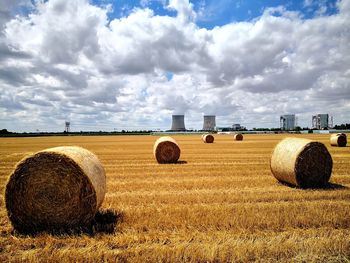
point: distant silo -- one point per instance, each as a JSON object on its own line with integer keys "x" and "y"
{"x": 178, "y": 123}
{"x": 209, "y": 123}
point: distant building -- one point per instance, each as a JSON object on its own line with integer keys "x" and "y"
{"x": 237, "y": 127}
{"x": 223, "y": 129}
{"x": 234, "y": 127}
{"x": 209, "y": 122}
{"x": 320, "y": 121}
{"x": 287, "y": 122}
{"x": 178, "y": 123}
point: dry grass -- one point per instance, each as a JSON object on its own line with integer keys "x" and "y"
{"x": 220, "y": 204}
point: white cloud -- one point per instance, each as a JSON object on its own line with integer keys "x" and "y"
{"x": 184, "y": 10}
{"x": 66, "y": 60}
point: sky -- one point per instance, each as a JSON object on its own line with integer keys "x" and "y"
{"x": 113, "y": 65}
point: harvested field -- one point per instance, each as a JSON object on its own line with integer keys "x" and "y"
{"x": 219, "y": 203}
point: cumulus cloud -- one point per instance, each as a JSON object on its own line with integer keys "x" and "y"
{"x": 66, "y": 60}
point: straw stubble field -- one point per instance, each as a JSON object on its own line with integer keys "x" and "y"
{"x": 220, "y": 203}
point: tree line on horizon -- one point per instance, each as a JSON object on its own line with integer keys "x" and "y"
{"x": 345, "y": 126}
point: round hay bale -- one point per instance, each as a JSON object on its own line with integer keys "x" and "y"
{"x": 208, "y": 138}
{"x": 301, "y": 162}
{"x": 338, "y": 139}
{"x": 57, "y": 189}
{"x": 166, "y": 150}
{"x": 238, "y": 137}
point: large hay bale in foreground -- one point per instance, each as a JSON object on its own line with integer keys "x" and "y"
{"x": 301, "y": 162}
{"x": 338, "y": 139}
{"x": 238, "y": 137}
{"x": 57, "y": 189}
{"x": 166, "y": 150}
{"x": 208, "y": 138}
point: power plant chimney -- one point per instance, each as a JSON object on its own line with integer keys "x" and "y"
{"x": 209, "y": 123}
{"x": 178, "y": 123}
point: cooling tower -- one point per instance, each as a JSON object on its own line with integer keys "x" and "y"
{"x": 178, "y": 123}
{"x": 209, "y": 123}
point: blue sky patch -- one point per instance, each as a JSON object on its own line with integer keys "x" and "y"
{"x": 169, "y": 75}
{"x": 211, "y": 13}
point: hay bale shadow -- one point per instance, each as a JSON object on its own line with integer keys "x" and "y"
{"x": 327, "y": 186}
{"x": 104, "y": 222}
{"x": 177, "y": 162}
{"x": 332, "y": 186}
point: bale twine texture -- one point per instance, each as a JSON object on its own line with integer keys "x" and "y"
{"x": 208, "y": 138}
{"x": 338, "y": 139}
{"x": 238, "y": 137}
{"x": 301, "y": 162}
{"x": 166, "y": 150}
{"x": 55, "y": 189}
